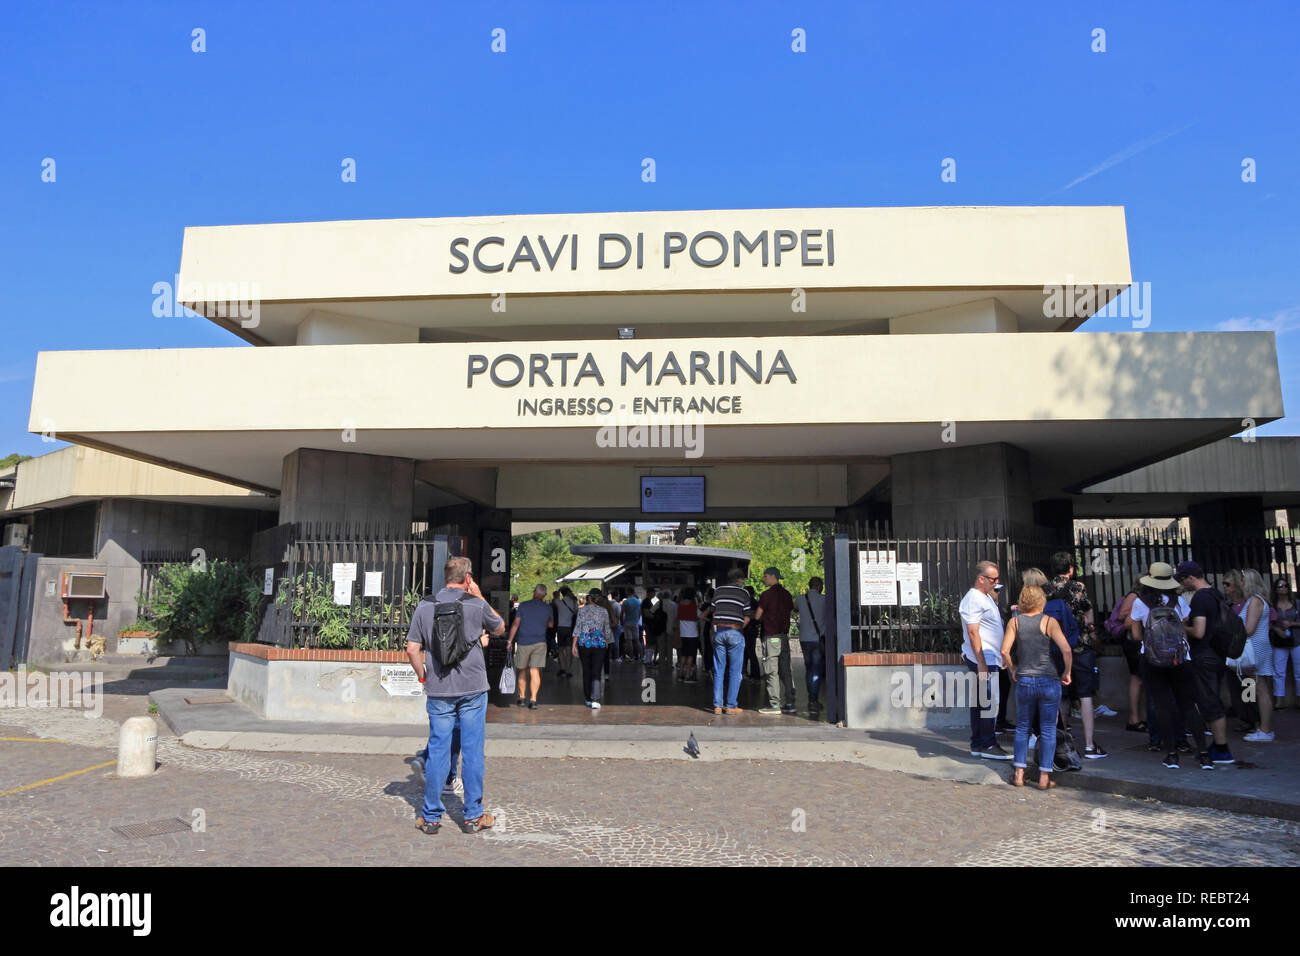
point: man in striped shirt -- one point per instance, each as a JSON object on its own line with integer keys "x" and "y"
{"x": 732, "y": 609}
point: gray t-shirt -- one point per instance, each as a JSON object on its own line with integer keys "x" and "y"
{"x": 470, "y": 675}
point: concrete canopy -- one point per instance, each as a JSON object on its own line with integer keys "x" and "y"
{"x": 865, "y": 270}
{"x": 1100, "y": 404}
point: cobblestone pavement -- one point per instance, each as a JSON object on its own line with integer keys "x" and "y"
{"x": 338, "y": 809}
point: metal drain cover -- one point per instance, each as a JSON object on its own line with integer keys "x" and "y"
{"x": 136, "y": 831}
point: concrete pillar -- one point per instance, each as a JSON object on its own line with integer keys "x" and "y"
{"x": 336, "y": 486}
{"x": 1227, "y": 517}
{"x": 960, "y": 484}
{"x": 482, "y": 535}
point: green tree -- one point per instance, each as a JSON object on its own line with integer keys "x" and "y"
{"x": 10, "y": 460}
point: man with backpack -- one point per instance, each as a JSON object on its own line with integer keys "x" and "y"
{"x": 1167, "y": 663}
{"x": 445, "y": 646}
{"x": 1215, "y": 634}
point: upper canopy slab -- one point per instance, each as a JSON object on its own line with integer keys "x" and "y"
{"x": 434, "y": 279}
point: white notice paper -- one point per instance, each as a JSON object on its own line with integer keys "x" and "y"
{"x": 345, "y": 572}
{"x": 374, "y": 584}
{"x": 399, "y": 680}
{"x": 909, "y": 593}
{"x": 877, "y": 573}
{"x": 909, "y": 571}
{"x": 342, "y": 590}
{"x": 268, "y": 585}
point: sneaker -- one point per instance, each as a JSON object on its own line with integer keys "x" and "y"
{"x": 991, "y": 752}
{"x": 1095, "y": 752}
{"x": 733, "y": 710}
{"x": 790, "y": 710}
{"x": 1259, "y": 737}
{"x": 770, "y": 711}
{"x": 1206, "y": 762}
{"x": 1154, "y": 747}
{"x": 532, "y": 705}
{"x": 1221, "y": 754}
{"x": 1184, "y": 747}
{"x": 595, "y": 705}
{"x": 718, "y": 710}
{"x": 520, "y": 702}
{"x": 1103, "y": 711}
{"x": 429, "y": 827}
{"x": 1171, "y": 760}
{"x": 587, "y": 704}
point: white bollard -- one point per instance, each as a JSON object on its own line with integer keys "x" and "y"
{"x": 137, "y": 747}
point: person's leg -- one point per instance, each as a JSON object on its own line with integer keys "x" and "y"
{"x": 1280, "y": 656}
{"x": 455, "y": 753}
{"x": 719, "y": 669}
{"x": 537, "y": 681}
{"x": 1004, "y": 696}
{"x": 1024, "y": 707}
{"x": 1264, "y": 695}
{"x": 989, "y": 711}
{"x": 811, "y": 665}
{"x": 770, "y": 648}
{"x": 1208, "y": 674}
{"x": 786, "y": 674}
{"x": 1086, "y": 713}
{"x": 1161, "y": 693}
{"x": 1048, "y": 705}
{"x": 974, "y": 685}
{"x": 735, "y": 660}
{"x": 442, "y": 721}
{"x": 472, "y": 714}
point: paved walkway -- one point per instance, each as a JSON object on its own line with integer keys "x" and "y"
{"x": 59, "y": 805}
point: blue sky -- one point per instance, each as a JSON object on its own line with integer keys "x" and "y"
{"x": 150, "y": 137}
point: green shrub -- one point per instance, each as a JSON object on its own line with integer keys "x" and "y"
{"x": 212, "y": 605}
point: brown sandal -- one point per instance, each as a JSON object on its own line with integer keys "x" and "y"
{"x": 482, "y": 823}
{"x": 1051, "y": 785}
{"x": 1016, "y": 783}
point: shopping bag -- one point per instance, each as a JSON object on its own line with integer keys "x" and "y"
{"x": 1246, "y": 663}
{"x": 507, "y": 683}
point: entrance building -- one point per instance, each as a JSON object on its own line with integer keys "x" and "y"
{"x": 900, "y": 365}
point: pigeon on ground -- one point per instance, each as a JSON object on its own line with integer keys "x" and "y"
{"x": 692, "y": 747}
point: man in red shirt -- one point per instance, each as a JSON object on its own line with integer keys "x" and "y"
{"x": 773, "y": 615}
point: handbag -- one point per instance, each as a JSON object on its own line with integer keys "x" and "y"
{"x": 507, "y": 683}
{"x": 1246, "y": 663}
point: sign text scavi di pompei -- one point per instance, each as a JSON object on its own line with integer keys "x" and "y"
{"x": 707, "y": 249}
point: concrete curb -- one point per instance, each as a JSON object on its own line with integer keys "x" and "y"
{"x": 891, "y": 757}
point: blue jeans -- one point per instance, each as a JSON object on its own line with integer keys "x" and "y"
{"x": 455, "y": 753}
{"x": 983, "y": 707}
{"x": 728, "y": 654}
{"x": 1041, "y": 696}
{"x": 470, "y": 712}
{"x": 812, "y": 669}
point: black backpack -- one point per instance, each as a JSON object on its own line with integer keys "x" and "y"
{"x": 1228, "y": 637}
{"x": 447, "y": 643}
{"x": 1164, "y": 642}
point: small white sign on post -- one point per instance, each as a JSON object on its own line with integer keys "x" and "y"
{"x": 345, "y": 571}
{"x": 909, "y": 571}
{"x": 268, "y": 584}
{"x": 399, "y": 680}
{"x": 374, "y": 584}
{"x": 909, "y": 593}
{"x": 342, "y": 590}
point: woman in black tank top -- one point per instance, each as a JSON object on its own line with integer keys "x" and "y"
{"x": 1031, "y": 635}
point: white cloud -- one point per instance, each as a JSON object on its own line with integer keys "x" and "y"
{"x": 1284, "y": 320}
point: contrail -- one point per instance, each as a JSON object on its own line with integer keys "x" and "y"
{"x": 1128, "y": 152}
